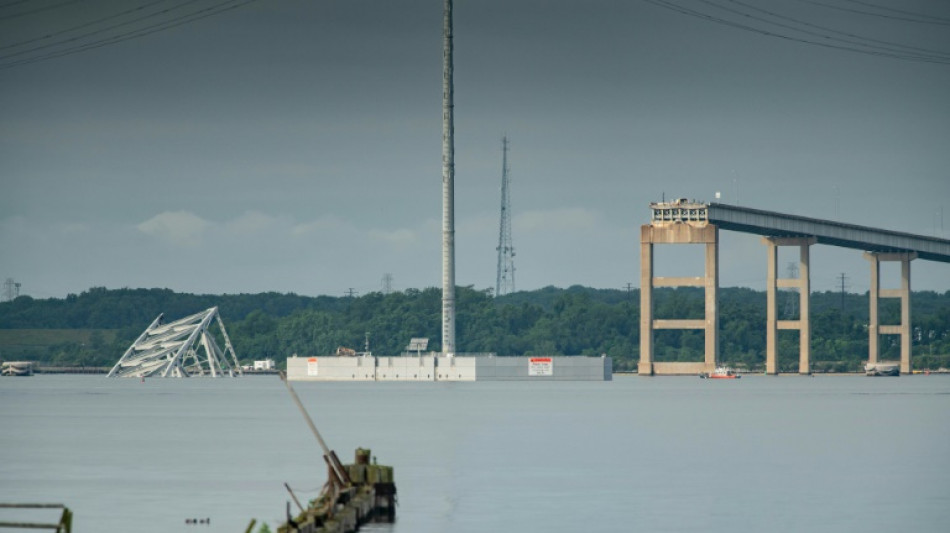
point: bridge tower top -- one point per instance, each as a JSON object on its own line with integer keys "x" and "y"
{"x": 679, "y": 210}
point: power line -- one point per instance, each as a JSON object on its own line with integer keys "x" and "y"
{"x": 33, "y": 11}
{"x": 13, "y": 3}
{"x": 894, "y": 54}
{"x": 218, "y": 8}
{"x": 887, "y": 44}
{"x": 912, "y": 17}
{"x": 900, "y": 11}
{"x": 99, "y": 31}
{"x": 81, "y": 26}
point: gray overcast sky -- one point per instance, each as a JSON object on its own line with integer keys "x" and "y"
{"x": 296, "y": 145}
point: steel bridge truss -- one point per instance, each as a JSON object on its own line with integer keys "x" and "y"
{"x": 182, "y": 348}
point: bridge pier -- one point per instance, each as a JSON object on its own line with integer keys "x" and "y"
{"x": 803, "y": 284}
{"x": 679, "y": 233}
{"x": 875, "y": 329}
{"x": 684, "y": 221}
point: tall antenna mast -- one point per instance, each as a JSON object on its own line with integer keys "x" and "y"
{"x": 448, "y": 187}
{"x": 505, "y": 280}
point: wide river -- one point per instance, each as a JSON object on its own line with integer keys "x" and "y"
{"x": 826, "y": 453}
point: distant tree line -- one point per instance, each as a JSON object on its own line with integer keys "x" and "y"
{"x": 548, "y": 321}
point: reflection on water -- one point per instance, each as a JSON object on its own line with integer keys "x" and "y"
{"x": 663, "y": 454}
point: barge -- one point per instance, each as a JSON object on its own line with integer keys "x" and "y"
{"x": 721, "y": 372}
{"x": 883, "y": 369}
{"x": 434, "y": 368}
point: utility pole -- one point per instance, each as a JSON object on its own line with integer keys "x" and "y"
{"x": 843, "y": 278}
{"x": 791, "y": 304}
{"x": 837, "y": 202}
{"x": 505, "y": 276}
{"x": 350, "y": 293}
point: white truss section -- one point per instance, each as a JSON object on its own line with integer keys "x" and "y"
{"x": 182, "y": 348}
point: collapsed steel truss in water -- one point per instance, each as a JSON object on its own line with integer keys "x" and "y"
{"x": 181, "y": 348}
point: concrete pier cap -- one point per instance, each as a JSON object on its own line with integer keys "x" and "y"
{"x": 679, "y": 221}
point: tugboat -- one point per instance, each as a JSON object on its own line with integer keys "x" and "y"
{"x": 721, "y": 372}
{"x": 353, "y": 495}
{"x": 882, "y": 369}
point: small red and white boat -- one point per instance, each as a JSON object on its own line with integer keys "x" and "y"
{"x": 721, "y": 372}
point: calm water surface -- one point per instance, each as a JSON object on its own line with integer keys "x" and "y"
{"x": 829, "y": 453}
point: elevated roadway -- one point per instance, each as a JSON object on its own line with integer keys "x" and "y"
{"x": 868, "y": 239}
{"x": 683, "y": 221}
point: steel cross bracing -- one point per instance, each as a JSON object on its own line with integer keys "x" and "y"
{"x": 505, "y": 279}
{"x": 181, "y": 348}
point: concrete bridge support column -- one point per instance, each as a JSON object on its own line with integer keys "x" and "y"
{"x": 679, "y": 233}
{"x": 712, "y": 303}
{"x": 645, "y": 367}
{"x": 875, "y": 329}
{"x": 803, "y": 284}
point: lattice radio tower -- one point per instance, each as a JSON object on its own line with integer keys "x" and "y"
{"x": 11, "y": 290}
{"x": 505, "y": 280}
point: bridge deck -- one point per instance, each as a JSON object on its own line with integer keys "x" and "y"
{"x": 772, "y": 224}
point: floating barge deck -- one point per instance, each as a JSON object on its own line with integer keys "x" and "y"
{"x": 459, "y": 368}
{"x": 892, "y": 368}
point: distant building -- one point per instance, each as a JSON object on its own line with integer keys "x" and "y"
{"x": 266, "y": 364}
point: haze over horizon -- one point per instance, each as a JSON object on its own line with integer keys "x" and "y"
{"x": 295, "y": 146}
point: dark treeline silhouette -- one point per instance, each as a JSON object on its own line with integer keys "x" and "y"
{"x": 549, "y": 321}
